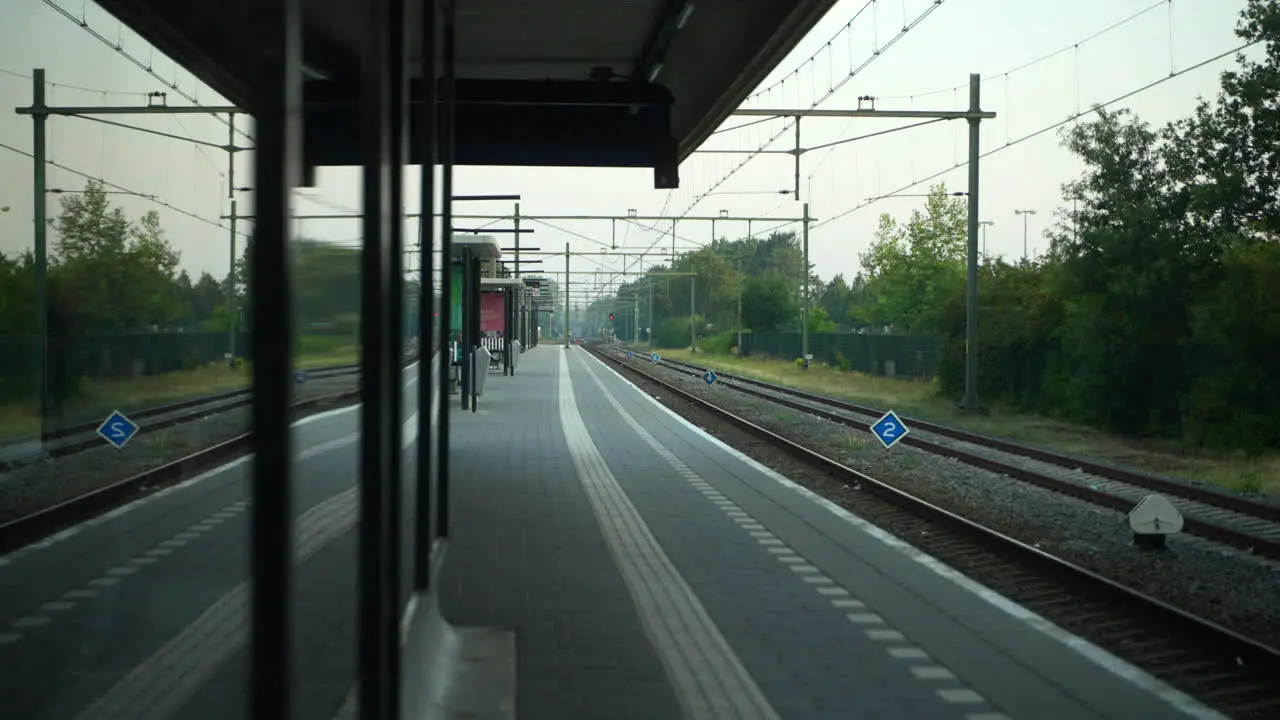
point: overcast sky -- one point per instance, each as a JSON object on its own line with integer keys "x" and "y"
{"x": 990, "y": 37}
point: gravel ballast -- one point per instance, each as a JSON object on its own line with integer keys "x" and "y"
{"x": 1209, "y": 580}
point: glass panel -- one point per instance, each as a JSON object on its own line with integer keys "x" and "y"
{"x": 135, "y": 330}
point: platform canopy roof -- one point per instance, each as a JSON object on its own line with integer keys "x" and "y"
{"x": 500, "y": 283}
{"x": 541, "y": 82}
{"x": 482, "y": 247}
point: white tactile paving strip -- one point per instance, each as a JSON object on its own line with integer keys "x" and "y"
{"x": 897, "y": 647}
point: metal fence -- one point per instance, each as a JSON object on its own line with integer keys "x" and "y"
{"x": 105, "y": 357}
{"x": 913, "y": 356}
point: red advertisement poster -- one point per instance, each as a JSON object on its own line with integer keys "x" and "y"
{"x": 491, "y": 312}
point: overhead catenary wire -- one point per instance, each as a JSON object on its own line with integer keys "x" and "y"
{"x": 190, "y": 137}
{"x": 1006, "y": 74}
{"x": 1048, "y": 128}
{"x": 877, "y": 52}
{"x": 144, "y": 66}
{"x": 115, "y": 186}
{"x": 1042, "y": 58}
{"x": 788, "y": 124}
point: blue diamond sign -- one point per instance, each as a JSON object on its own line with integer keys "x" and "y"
{"x": 889, "y": 430}
{"x": 628, "y": 354}
{"x": 655, "y": 357}
{"x": 300, "y": 376}
{"x": 117, "y": 429}
{"x": 710, "y": 378}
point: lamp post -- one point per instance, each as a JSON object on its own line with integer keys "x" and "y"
{"x": 1024, "y": 214}
{"x": 984, "y": 224}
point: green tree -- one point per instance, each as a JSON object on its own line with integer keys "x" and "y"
{"x": 836, "y": 299}
{"x": 912, "y": 269}
{"x": 108, "y": 274}
{"x": 769, "y": 301}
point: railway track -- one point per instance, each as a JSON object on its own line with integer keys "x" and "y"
{"x": 40, "y": 524}
{"x": 72, "y": 439}
{"x": 1244, "y": 524}
{"x": 1221, "y": 668}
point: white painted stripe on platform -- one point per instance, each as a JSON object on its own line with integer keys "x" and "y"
{"x": 1176, "y": 699}
{"x": 158, "y": 687}
{"x": 709, "y": 679}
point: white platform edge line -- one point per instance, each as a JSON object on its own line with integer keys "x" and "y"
{"x": 202, "y": 477}
{"x": 1117, "y": 666}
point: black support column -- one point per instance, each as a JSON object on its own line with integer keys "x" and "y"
{"x": 397, "y": 47}
{"x": 383, "y": 27}
{"x": 472, "y": 319}
{"x": 427, "y": 120}
{"x": 508, "y": 328}
{"x": 447, "y": 135}
{"x": 464, "y": 338}
{"x": 277, "y": 97}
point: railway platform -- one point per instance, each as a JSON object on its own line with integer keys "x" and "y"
{"x": 645, "y": 570}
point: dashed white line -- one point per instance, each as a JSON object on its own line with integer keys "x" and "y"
{"x": 932, "y": 672}
{"x": 960, "y": 696}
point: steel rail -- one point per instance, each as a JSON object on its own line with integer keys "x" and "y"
{"x": 1213, "y": 663}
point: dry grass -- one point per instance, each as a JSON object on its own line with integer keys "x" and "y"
{"x": 920, "y": 399}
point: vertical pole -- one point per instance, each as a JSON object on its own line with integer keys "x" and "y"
{"x": 464, "y": 341}
{"x": 970, "y": 401}
{"x": 739, "y": 302}
{"x": 516, "y": 220}
{"x": 446, "y": 237}
{"x": 428, "y": 123}
{"x": 231, "y": 274}
{"x": 509, "y": 320}
{"x": 650, "y": 321}
{"x": 635, "y": 319}
{"x": 397, "y": 151}
{"x": 797, "y": 163}
{"x": 277, "y": 169}
{"x": 373, "y": 535}
{"x": 40, "y": 194}
{"x": 804, "y": 314}
{"x": 566, "y": 296}
{"x": 693, "y": 330}
{"x": 473, "y": 344}
{"x": 1024, "y": 236}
